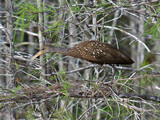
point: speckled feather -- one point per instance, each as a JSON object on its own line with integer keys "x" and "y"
{"x": 93, "y": 51}
{"x": 99, "y": 52}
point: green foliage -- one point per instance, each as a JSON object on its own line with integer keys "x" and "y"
{"x": 14, "y": 90}
{"x": 66, "y": 84}
{"x": 28, "y": 15}
{"x": 62, "y": 114}
{"x": 16, "y": 65}
{"x": 153, "y": 30}
{"x": 152, "y": 25}
{"x": 30, "y": 112}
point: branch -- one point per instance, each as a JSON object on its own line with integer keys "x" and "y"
{"x": 137, "y": 96}
{"x": 135, "y": 78}
{"x": 136, "y": 38}
{"x": 37, "y": 93}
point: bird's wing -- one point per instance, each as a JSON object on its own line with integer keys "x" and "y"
{"x": 86, "y": 53}
{"x": 92, "y": 53}
{"x": 113, "y": 56}
{"x": 105, "y": 53}
{"x": 102, "y": 51}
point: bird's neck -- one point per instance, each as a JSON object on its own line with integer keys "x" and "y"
{"x": 67, "y": 51}
{"x": 61, "y": 50}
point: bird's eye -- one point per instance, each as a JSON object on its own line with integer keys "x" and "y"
{"x": 43, "y": 48}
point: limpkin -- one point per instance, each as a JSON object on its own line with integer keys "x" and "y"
{"x": 92, "y": 51}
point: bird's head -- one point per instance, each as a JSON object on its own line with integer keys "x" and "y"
{"x": 49, "y": 48}
{"x": 45, "y": 49}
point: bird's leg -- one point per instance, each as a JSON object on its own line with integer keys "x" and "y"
{"x": 105, "y": 73}
{"x": 114, "y": 70}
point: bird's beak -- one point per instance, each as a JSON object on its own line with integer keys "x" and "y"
{"x": 38, "y": 54}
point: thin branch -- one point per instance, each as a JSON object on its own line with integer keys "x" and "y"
{"x": 39, "y": 93}
{"x": 136, "y": 38}
{"x": 135, "y": 78}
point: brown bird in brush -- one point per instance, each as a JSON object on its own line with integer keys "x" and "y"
{"x": 92, "y": 51}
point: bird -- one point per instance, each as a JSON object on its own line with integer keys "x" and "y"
{"x": 93, "y": 51}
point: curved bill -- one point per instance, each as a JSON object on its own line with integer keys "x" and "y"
{"x": 36, "y": 55}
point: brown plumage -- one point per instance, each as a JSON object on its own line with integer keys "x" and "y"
{"x": 92, "y": 51}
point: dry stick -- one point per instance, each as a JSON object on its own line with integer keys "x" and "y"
{"x": 88, "y": 67}
{"x": 55, "y": 90}
{"x": 79, "y": 69}
{"x": 121, "y": 95}
{"x": 76, "y": 21}
{"x": 136, "y": 78}
{"x": 145, "y": 97}
{"x": 137, "y": 39}
{"x": 76, "y": 95}
{"x": 87, "y": 110}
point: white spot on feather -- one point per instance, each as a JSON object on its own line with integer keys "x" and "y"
{"x": 100, "y": 50}
{"x": 85, "y": 48}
